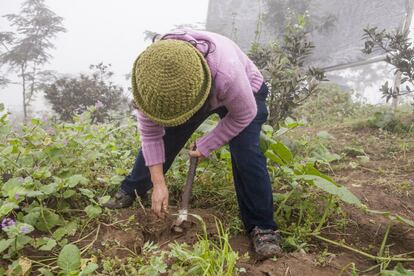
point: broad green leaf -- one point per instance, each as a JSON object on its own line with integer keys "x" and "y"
{"x": 32, "y": 217}
{"x": 48, "y": 220}
{"x": 267, "y": 128}
{"x": 76, "y": 179}
{"x": 275, "y": 158}
{"x": 93, "y": 211}
{"x": 11, "y": 184}
{"x": 21, "y": 241}
{"x": 281, "y": 131}
{"x": 7, "y": 150}
{"x": 7, "y": 207}
{"x": 49, "y": 189}
{"x": 88, "y": 193}
{"x": 68, "y": 229}
{"x": 104, "y": 199}
{"x": 69, "y": 259}
{"x": 45, "y": 272}
{"x": 310, "y": 169}
{"x": 265, "y": 142}
{"x": 35, "y": 121}
{"x": 291, "y": 124}
{"x": 34, "y": 193}
{"x": 69, "y": 193}
{"x": 89, "y": 269}
{"x": 121, "y": 171}
{"x": 50, "y": 244}
{"x": 116, "y": 179}
{"x": 343, "y": 193}
{"x": 225, "y": 154}
{"x": 4, "y": 244}
{"x": 283, "y": 152}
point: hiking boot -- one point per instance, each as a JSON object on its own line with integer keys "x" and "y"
{"x": 120, "y": 200}
{"x": 266, "y": 242}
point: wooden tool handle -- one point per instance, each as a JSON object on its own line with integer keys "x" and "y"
{"x": 189, "y": 183}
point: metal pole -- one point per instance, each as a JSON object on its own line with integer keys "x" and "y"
{"x": 405, "y": 29}
{"x": 354, "y": 64}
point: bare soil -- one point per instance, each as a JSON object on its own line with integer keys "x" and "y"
{"x": 382, "y": 183}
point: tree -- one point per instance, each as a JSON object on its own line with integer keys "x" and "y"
{"x": 400, "y": 54}
{"x": 279, "y": 14}
{"x": 284, "y": 69}
{"x": 72, "y": 95}
{"x": 27, "y": 49}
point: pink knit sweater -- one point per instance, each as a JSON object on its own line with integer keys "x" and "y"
{"x": 235, "y": 79}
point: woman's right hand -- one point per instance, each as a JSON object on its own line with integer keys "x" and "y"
{"x": 160, "y": 194}
{"x": 160, "y": 200}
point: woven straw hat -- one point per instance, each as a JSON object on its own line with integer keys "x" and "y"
{"x": 171, "y": 81}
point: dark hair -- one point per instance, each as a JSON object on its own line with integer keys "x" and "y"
{"x": 211, "y": 47}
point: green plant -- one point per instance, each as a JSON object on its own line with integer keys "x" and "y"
{"x": 398, "y": 270}
{"x": 400, "y": 53}
{"x": 205, "y": 257}
{"x": 388, "y": 121}
{"x": 28, "y": 49}
{"x": 283, "y": 68}
{"x": 303, "y": 210}
{"x": 54, "y": 178}
{"x": 72, "y": 96}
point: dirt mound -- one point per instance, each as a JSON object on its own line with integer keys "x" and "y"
{"x": 132, "y": 228}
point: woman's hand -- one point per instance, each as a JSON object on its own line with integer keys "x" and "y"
{"x": 159, "y": 198}
{"x": 193, "y": 152}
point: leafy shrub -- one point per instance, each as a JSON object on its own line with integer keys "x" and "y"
{"x": 400, "y": 54}
{"x": 71, "y": 96}
{"x": 284, "y": 69}
{"x": 47, "y": 170}
{"x": 387, "y": 120}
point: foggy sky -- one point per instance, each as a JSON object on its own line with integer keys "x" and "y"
{"x": 105, "y": 30}
{"x": 109, "y": 31}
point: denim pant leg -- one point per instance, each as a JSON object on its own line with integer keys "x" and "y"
{"x": 139, "y": 179}
{"x": 251, "y": 178}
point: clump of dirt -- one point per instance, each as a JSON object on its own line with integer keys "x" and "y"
{"x": 160, "y": 230}
{"x": 131, "y": 228}
{"x": 142, "y": 225}
{"x": 119, "y": 242}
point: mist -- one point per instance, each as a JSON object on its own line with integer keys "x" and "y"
{"x": 102, "y": 31}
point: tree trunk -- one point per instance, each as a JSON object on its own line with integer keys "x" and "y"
{"x": 24, "y": 91}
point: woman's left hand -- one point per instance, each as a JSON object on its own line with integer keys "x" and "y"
{"x": 195, "y": 153}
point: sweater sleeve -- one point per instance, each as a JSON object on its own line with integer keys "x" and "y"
{"x": 151, "y": 140}
{"x": 239, "y": 100}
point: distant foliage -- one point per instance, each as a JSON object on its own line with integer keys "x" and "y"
{"x": 27, "y": 49}
{"x": 400, "y": 54}
{"x": 279, "y": 13}
{"x": 73, "y": 95}
{"x": 284, "y": 69}
{"x": 331, "y": 103}
{"x": 387, "y": 120}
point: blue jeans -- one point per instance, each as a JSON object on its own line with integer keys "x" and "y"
{"x": 251, "y": 178}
